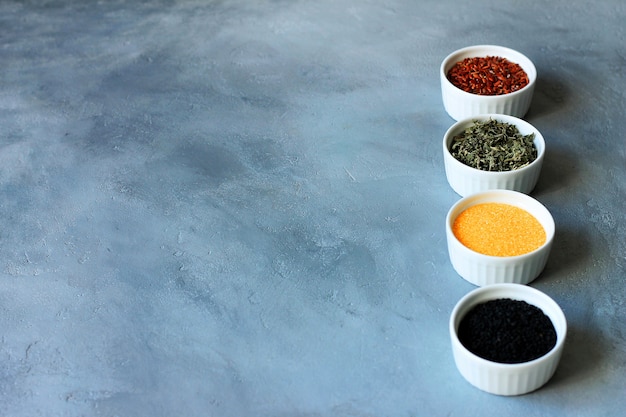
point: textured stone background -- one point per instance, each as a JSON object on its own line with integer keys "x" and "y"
{"x": 236, "y": 208}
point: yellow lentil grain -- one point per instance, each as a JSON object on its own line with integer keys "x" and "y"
{"x": 498, "y": 229}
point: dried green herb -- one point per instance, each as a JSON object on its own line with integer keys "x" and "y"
{"x": 494, "y": 146}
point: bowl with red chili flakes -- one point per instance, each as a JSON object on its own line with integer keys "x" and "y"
{"x": 492, "y": 152}
{"x": 487, "y": 79}
{"x": 507, "y": 339}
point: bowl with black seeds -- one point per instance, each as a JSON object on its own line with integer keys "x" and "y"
{"x": 483, "y": 79}
{"x": 493, "y": 152}
{"x": 507, "y": 339}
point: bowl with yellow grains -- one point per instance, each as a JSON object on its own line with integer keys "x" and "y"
{"x": 499, "y": 236}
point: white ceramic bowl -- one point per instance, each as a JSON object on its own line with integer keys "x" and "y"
{"x": 500, "y": 378}
{"x": 466, "y": 180}
{"x": 460, "y": 104}
{"x": 480, "y": 269}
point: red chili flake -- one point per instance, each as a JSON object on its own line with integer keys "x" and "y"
{"x": 487, "y": 76}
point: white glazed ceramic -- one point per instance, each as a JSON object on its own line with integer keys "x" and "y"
{"x": 460, "y": 104}
{"x": 500, "y": 378}
{"x": 484, "y": 270}
{"x": 466, "y": 180}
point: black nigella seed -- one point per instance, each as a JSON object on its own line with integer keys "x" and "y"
{"x": 507, "y": 331}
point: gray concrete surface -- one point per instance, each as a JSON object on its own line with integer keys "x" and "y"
{"x": 236, "y": 208}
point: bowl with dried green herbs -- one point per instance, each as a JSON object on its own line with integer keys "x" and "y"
{"x": 507, "y": 339}
{"x": 492, "y": 152}
{"x": 487, "y": 79}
